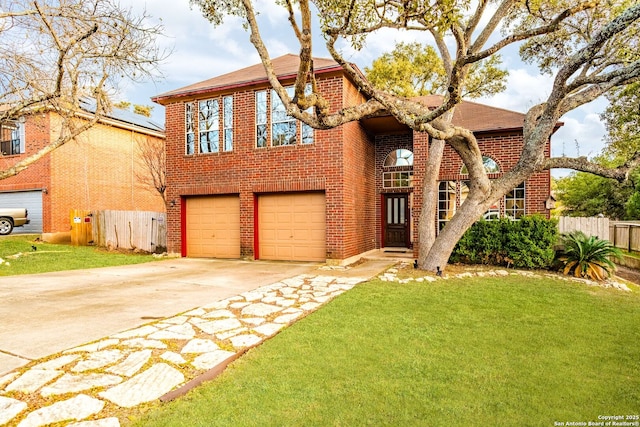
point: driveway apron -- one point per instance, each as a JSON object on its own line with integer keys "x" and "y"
{"x": 42, "y": 314}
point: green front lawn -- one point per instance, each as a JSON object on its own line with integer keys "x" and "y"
{"x": 510, "y": 351}
{"x": 19, "y": 257}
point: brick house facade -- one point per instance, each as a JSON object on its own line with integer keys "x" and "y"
{"x": 244, "y": 180}
{"x": 95, "y": 171}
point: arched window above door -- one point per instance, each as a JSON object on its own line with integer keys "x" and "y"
{"x": 399, "y": 157}
{"x": 398, "y": 169}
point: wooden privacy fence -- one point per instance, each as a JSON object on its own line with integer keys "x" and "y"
{"x": 625, "y": 235}
{"x": 592, "y": 226}
{"x": 141, "y": 230}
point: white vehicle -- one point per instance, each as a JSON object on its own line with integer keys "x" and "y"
{"x": 12, "y": 217}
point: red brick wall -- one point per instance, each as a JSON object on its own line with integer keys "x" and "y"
{"x": 359, "y": 198}
{"x": 503, "y": 148}
{"x": 339, "y": 162}
{"x": 97, "y": 171}
{"x": 36, "y": 176}
{"x": 342, "y": 162}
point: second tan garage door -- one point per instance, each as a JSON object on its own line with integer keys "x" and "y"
{"x": 292, "y": 227}
{"x": 213, "y": 227}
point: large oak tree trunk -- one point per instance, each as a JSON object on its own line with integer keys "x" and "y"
{"x": 426, "y": 227}
{"x": 443, "y": 246}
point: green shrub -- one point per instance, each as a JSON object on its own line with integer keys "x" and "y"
{"x": 587, "y": 256}
{"x": 526, "y": 243}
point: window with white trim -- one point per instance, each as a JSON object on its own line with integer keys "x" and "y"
{"x": 12, "y": 140}
{"x": 189, "y": 126}
{"x": 227, "y": 114}
{"x": 514, "y": 203}
{"x": 209, "y": 126}
{"x": 398, "y": 169}
{"x": 452, "y": 194}
{"x": 274, "y": 127}
{"x": 446, "y": 202}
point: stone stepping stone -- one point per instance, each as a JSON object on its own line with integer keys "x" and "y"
{"x": 32, "y": 380}
{"x": 260, "y": 310}
{"x": 269, "y": 329}
{"x": 174, "y": 358}
{"x": 323, "y": 299}
{"x": 239, "y": 305}
{"x": 199, "y": 345}
{"x": 94, "y": 347}
{"x": 69, "y": 383}
{"x": 255, "y": 321}
{"x": 252, "y": 296}
{"x": 57, "y": 363}
{"x": 77, "y": 408}
{"x": 208, "y": 361}
{"x": 219, "y": 325}
{"x": 132, "y": 364}
{"x": 286, "y": 302}
{"x": 287, "y": 318}
{"x": 7, "y": 378}
{"x": 309, "y": 306}
{"x": 143, "y": 343}
{"x": 10, "y": 408}
{"x": 218, "y": 314}
{"x": 98, "y": 360}
{"x": 138, "y": 332}
{"x": 243, "y": 341}
{"x": 105, "y": 422}
{"x": 177, "y": 332}
{"x": 145, "y": 387}
{"x": 231, "y": 333}
{"x": 288, "y": 291}
{"x": 294, "y": 282}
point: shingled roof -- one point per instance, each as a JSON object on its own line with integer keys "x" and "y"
{"x": 478, "y": 117}
{"x": 471, "y": 115}
{"x": 284, "y": 66}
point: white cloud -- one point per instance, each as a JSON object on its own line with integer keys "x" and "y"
{"x": 524, "y": 90}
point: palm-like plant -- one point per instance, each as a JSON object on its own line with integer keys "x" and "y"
{"x": 587, "y": 256}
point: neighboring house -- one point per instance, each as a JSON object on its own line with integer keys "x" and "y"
{"x": 245, "y": 180}
{"x": 95, "y": 171}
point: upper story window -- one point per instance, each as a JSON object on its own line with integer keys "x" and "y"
{"x": 274, "y": 126}
{"x": 490, "y": 166}
{"x": 189, "y": 126}
{"x": 398, "y": 169}
{"x": 12, "y": 140}
{"x": 214, "y": 124}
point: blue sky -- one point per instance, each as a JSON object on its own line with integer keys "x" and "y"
{"x": 201, "y": 51}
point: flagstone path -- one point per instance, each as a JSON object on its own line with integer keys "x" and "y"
{"x": 89, "y": 386}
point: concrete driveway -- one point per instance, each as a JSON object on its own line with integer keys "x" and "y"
{"x": 42, "y": 314}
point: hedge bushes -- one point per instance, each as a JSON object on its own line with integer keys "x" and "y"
{"x": 526, "y": 243}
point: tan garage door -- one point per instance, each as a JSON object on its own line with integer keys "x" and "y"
{"x": 292, "y": 227}
{"x": 213, "y": 227}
